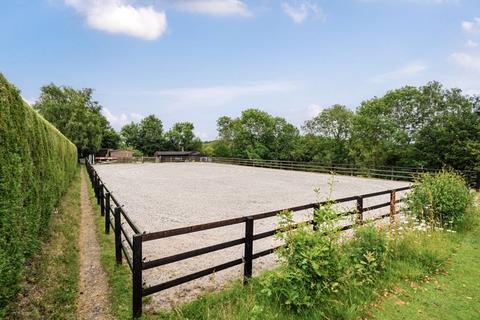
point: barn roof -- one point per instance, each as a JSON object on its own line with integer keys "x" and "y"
{"x": 177, "y": 153}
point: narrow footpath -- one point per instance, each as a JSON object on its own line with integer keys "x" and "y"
{"x": 93, "y": 298}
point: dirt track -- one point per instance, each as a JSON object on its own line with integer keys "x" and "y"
{"x": 93, "y": 302}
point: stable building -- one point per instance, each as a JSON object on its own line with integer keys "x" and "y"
{"x": 178, "y": 156}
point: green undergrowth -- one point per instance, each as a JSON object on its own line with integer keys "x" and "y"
{"x": 119, "y": 277}
{"x": 417, "y": 255}
{"x": 37, "y": 164}
{"x": 324, "y": 276}
{"x": 50, "y": 284}
{"x": 452, "y": 294}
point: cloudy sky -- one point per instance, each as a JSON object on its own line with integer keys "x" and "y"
{"x": 196, "y": 60}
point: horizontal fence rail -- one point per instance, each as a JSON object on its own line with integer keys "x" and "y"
{"x": 382, "y": 172}
{"x": 129, "y": 238}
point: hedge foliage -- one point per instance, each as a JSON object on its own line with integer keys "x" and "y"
{"x": 37, "y": 164}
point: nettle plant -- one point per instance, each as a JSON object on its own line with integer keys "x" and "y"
{"x": 318, "y": 266}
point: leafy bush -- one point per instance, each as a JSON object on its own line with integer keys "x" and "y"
{"x": 37, "y": 164}
{"x": 313, "y": 265}
{"x": 316, "y": 268}
{"x": 441, "y": 198}
{"x": 367, "y": 252}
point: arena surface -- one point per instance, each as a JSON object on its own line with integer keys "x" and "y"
{"x": 170, "y": 195}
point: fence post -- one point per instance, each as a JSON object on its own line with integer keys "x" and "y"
{"x": 393, "y": 210}
{"x": 314, "y": 221}
{"x": 359, "y": 210}
{"x": 137, "y": 276}
{"x": 107, "y": 213}
{"x": 247, "y": 268}
{"x": 477, "y": 183}
{"x": 99, "y": 186}
{"x": 102, "y": 201}
{"x": 118, "y": 235}
{"x": 94, "y": 183}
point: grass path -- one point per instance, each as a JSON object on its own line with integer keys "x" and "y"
{"x": 93, "y": 298}
{"x": 50, "y": 284}
{"x": 454, "y": 295}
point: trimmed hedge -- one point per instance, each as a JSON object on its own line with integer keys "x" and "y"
{"x": 37, "y": 164}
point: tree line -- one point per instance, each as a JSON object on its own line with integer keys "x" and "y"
{"x": 429, "y": 126}
{"x": 79, "y": 118}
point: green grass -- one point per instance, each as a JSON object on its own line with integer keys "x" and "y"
{"x": 50, "y": 283}
{"x": 119, "y": 278}
{"x": 451, "y": 295}
{"x": 418, "y": 255}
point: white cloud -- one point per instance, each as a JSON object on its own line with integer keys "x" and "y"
{"x": 115, "y": 16}
{"x": 202, "y": 135}
{"x": 467, "y": 61}
{"x": 314, "y": 110}
{"x": 213, "y": 7}
{"x": 471, "y": 26}
{"x": 218, "y": 95}
{"x": 406, "y": 72}
{"x": 471, "y": 44}
{"x": 122, "y": 119}
{"x": 300, "y": 10}
{"x": 136, "y": 117}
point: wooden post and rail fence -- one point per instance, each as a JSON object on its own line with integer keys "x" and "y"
{"x": 129, "y": 239}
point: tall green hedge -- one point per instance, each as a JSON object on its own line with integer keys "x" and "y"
{"x": 37, "y": 164}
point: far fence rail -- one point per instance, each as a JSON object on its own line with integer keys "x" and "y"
{"x": 383, "y": 172}
{"x": 129, "y": 238}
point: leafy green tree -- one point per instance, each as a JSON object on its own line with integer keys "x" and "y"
{"x": 146, "y": 136}
{"x": 151, "y": 135}
{"x": 334, "y": 122}
{"x": 75, "y": 114}
{"x": 451, "y": 138}
{"x": 257, "y": 135}
{"x": 181, "y": 137}
{"x": 130, "y": 134}
{"x": 332, "y": 128}
{"x": 110, "y": 139}
{"x": 427, "y": 126}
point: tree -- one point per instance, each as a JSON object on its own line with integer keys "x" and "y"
{"x": 130, "y": 134}
{"x": 451, "y": 138}
{"x": 151, "y": 135}
{"x": 427, "y": 126}
{"x": 334, "y": 122}
{"x": 257, "y": 135}
{"x": 181, "y": 137}
{"x": 75, "y": 114}
{"x": 332, "y": 128}
{"x": 110, "y": 139}
{"x": 146, "y": 136}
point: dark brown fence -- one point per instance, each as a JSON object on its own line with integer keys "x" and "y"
{"x": 129, "y": 239}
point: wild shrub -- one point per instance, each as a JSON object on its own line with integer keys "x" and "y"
{"x": 439, "y": 198}
{"x": 37, "y": 164}
{"x": 317, "y": 268}
{"x": 367, "y": 252}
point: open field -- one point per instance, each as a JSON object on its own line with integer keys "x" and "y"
{"x": 164, "y": 196}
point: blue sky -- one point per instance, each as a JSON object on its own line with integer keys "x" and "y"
{"x": 196, "y": 60}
